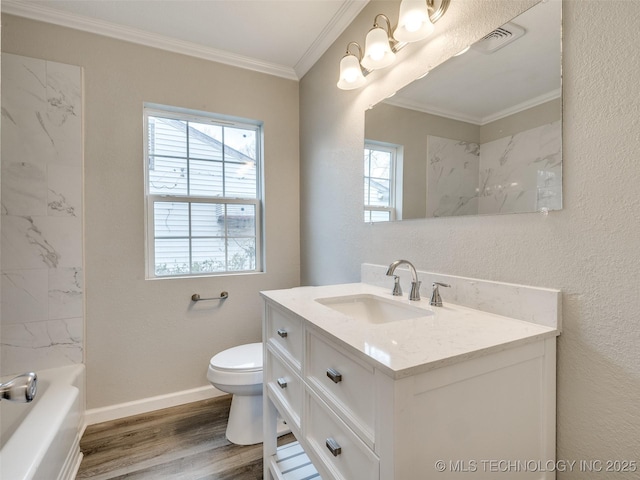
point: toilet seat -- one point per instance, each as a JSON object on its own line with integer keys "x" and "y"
{"x": 243, "y": 358}
{"x": 241, "y": 365}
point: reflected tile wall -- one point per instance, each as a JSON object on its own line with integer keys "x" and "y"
{"x": 452, "y": 177}
{"x": 42, "y": 310}
{"x": 522, "y": 172}
{"x": 519, "y": 173}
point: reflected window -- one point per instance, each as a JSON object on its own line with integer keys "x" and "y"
{"x": 203, "y": 193}
{"x": 380, "y": 160}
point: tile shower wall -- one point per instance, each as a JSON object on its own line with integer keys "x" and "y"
{"x": 42, "y": 310}
{"x": 518, "y": 173}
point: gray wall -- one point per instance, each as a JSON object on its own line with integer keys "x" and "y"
{"x": 143, "y": 337}
{"x": 589, "y": 249}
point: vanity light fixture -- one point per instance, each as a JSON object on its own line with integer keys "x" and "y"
{"x": 377, "y": 47}
{"x": 416, "y": 19}
{"x": 350, "y": 71}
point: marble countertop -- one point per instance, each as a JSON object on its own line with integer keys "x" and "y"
{"x": 449, "y": 335}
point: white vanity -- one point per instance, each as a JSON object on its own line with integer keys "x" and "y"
{"x": 375, "y": 387}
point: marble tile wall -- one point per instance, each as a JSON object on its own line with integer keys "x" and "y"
{"x": 452, "y": 177}
{"x": 522, "y": 172}
{"x": 42, "y": 299}
{"x": 518, "y": 173}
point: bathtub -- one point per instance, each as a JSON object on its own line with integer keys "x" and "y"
{"x": 41, "y": 439}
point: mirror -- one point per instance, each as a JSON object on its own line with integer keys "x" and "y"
{"x": 480, "y": 134}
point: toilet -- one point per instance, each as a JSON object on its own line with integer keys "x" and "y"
{"x": 238, "y": 371}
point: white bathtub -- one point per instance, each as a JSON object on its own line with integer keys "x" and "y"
{"x": 41, "y": 439}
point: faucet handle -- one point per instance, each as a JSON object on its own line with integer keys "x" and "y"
{"x": 436, "y": 300}
{"x": 397, "y": 290}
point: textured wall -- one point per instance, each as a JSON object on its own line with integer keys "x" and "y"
{"x": 144, "y": 337}
{"x": 589, "y": 249}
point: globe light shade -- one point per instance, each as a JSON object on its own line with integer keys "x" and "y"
{"x": 351, "y": 76}
{"x": 377, "y": 52}
{"x": 413, "y": 21}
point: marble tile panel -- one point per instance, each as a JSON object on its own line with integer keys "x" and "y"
{"x": 64, "y": 191}
{"x": 34, "y": 242}
{"x": 40, "y": 345}
{"x": 452, "y": 177}
{"x": 25, "y": 296}
{"x": 522, "y": 172}
{"x": 65, "y": 293}
{"x": 64, "y": 111}
{"x": 24, "y": 188}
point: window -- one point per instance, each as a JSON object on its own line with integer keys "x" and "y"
{"x": 203, "y": 193}
{"x": 379, "y": 182}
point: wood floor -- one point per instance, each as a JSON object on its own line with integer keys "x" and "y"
{"x": 185, "y": 442}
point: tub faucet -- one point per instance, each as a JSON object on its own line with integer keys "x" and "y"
{"x": 414, "y": 294}
{"x": 20, "y": 389}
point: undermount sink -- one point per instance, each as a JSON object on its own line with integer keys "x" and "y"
{"x": 373, "y": 309}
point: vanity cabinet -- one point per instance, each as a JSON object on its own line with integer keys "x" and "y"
{"x": 356, "y": 420}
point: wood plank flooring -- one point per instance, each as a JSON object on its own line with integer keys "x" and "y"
{"x": 186, "y": 442}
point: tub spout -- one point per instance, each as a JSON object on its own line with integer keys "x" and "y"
{"x": 20, "y": 389}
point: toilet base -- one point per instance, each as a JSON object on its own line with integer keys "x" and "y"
{"x": 245, "y": 420}
{"x": 244, "y": 426}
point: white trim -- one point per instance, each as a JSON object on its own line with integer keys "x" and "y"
{"x": 533, "y": 102}
{"x": 86, "y": 24}
{"x": 343, "y": 17}
{"x": 145, "y": 405}
{"x": 340, "y": 21}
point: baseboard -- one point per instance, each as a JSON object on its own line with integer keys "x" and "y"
{"x": 145, "y": 405}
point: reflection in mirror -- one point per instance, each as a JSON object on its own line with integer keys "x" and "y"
{"x": 481, "y": 133}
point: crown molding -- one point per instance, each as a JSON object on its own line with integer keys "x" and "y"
{"x": 78, "y": 22}
{"x": 348, "y": 11}
{"x": 453, "y": 115}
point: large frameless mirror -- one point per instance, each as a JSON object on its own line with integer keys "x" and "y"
{"x": 480, "y": 134}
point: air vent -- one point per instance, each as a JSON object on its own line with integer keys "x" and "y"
{"x": 500, "y": 37}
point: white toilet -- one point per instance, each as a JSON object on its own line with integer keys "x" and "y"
{"x": 238, "y": 371}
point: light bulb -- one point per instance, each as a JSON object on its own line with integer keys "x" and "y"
{"x": 413, "y": 21}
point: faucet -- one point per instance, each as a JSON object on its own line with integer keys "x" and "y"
{"x": 21, "y": 389}
{"x": 414, "y": 294}
{"x": 436, "y": 300}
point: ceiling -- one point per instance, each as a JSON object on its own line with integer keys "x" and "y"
{"x": 479, "y": 88}
{"x": 279, "y": 37}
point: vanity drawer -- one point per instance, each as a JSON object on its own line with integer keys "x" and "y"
{"x": 285, "y": 385}
{"x": 339, "y": 449}
{"x": 344, "y": 382}
{"x": 285, "y": 332}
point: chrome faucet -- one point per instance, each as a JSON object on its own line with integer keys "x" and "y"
{"x": 21, "y": 389}
{"x": 414, "y": 294}
{"x": 436, "y": 299}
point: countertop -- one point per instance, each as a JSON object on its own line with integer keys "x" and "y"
{"x": 444, "y": 336}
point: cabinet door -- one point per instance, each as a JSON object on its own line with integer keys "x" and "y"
{"x": 285, "y": 332}
{"x": 286, "y": 385}
{"x": 338, "y": 448}
{"x": 344, "y": 382}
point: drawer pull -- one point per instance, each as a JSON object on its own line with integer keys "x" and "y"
{"x": 334, "y": 375}
{"x": 282, "y": 332}
{"x": 334, "y": 447}
{"x": 282, "y": 382}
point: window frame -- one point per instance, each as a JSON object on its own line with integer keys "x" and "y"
{"x": 394, "y": 151}
{"x": 175, "y": 113}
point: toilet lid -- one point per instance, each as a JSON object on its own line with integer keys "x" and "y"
{"x": 246, "y": 358}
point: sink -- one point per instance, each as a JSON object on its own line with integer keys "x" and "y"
{"x": 373, "y": 309}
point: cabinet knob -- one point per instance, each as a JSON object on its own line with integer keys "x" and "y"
{"x": 282, "y": 332}
{"x": 334, "y": 375}
{"x": 282, "y": 382}
{"x": 333, "y": 447}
